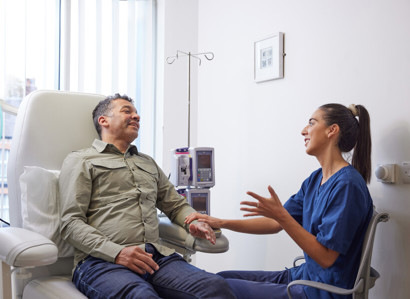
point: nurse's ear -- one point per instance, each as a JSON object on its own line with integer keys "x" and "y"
{"x": 333, "y": 131}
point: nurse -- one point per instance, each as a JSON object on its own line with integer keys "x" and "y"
{"x": 327, "y": 217}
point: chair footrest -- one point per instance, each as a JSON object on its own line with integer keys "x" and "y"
{"x": 52, "y": 287}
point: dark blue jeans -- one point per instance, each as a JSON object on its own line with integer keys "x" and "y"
{"x": 96, "y": 278}
{"x": 261, "y": 284}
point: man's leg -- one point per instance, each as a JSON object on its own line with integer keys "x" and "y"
{"x": 96, "y": 278}
{"x": 178, "y": 279}
{"x": 261, "y": 284}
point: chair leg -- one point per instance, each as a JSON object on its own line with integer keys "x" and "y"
{"x": 6, "y": 280}
{"x": 187, "y": 257}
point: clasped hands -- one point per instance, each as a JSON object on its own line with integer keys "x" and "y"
{"x": 270, "y": 207}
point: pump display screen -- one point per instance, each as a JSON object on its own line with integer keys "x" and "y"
{"x": 199, "y": 202}
{"x": 204, "y": 166}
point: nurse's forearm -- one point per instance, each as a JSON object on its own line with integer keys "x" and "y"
{"x": 322, "y": 255}
{"x": 260, "y": 225}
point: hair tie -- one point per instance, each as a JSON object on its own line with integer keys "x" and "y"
{"x": 353, "y": 108}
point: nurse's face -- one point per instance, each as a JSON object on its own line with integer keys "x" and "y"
{"x": 316, "y": 134}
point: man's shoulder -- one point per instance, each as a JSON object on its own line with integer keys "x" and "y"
{"x": 145, "y": 157}
{"x": 82, "y": 154}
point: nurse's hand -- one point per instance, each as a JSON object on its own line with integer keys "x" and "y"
{"x": 212, "y": 221}
{"x": 136, "y": 259}
{"x": 202, "y": 230}
{"x": 270, "y": 207}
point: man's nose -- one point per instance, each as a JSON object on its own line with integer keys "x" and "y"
{"x": 136, "y": 116}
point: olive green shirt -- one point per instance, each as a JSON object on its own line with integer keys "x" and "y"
{"x": 109, "y": 201}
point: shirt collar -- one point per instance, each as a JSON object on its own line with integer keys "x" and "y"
{"x": 102, "y": 146}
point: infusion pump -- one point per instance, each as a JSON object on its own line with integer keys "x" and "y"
{"x": 193, "y": 167}
{"x": 199, "y": 199}
{"x": 193, "y": 173}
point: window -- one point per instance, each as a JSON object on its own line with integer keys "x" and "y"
{"x": 108, "y": 47}
{"x": 93, "y": 46}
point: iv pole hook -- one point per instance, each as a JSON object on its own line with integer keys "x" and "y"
{"x": 171, "y": 59}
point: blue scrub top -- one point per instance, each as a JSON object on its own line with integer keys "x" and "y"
{"x": 337, "y": 213}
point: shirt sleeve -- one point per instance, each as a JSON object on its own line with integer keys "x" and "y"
{"x": 175, "y": 206}
{"x": 294, "y": 205}
{"x": 343, "y": 216}
{"x": 75, "y": 187}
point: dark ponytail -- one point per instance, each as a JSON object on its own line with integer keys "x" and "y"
{"x": 354, "y": 124}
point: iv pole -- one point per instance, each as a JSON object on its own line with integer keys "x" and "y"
{"x": 171, "y": 60}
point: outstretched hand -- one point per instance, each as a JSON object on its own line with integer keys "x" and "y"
{"x": 269, "y": 207}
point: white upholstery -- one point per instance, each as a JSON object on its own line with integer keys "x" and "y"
{"x": 25, "y": 248}
{"x": 43, "y": 215}
{"x": 59, "y": 287}
{"x": 49, "y": 125}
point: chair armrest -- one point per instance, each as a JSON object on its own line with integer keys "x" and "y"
{"x": 298, "y": 258}
{"x": 324, "y": 286}
{"x": 23, "y": 248}
{"x": 374, "y": 275}
{"x": 178, "y": 236}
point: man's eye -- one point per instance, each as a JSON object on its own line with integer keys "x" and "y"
{"x": 127, "y": 111}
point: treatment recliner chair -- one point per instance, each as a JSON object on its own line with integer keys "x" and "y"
{"x": 35, "y": 260}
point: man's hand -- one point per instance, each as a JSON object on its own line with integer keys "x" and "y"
{"x": 137, "y": 260}
{"x": 202, "y": 230}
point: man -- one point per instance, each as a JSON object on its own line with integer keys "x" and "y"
{"x": 109, "y": 195}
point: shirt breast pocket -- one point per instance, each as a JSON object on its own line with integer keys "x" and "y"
{"x": 147, "y": 177}
{"x": 111, "y": 178}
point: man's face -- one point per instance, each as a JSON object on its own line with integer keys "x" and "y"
{"x": 123, "y": 120}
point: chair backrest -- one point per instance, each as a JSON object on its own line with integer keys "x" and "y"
{"x": 366, "y": 274}
{"x": 49, "y": 125}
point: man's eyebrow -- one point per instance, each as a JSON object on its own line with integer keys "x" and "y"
{"x": 126, "y": 106}
{"x": 312, "y": 119}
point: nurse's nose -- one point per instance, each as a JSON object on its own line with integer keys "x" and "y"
{"x": 304, "y": 131}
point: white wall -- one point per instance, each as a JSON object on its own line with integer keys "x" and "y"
{"x": 343, "y": 51}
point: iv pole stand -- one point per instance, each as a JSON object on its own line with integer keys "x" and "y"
{"x": 171, "y": 59}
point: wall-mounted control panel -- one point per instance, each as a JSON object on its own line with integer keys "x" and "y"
{"x": 405, "y": 172}
{"x": 393, "y": 173}
{"x": 386, "y": 173}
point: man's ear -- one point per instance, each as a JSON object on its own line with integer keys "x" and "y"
{"x": 102, "y": 121}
